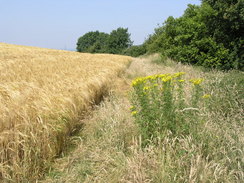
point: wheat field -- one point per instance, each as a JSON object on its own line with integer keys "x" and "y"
{"x": 43, "y": 95}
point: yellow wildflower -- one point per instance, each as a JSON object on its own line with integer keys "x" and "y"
{"x": 181, "y": 80}
{"x": 163, "y": 75}
{"x": 133, "y": 83}
{"x": 146, "y": 88}
{"x": 196, "y": 81}
{"x": 133, "y": 113}
{"x": 166, "y": 79}
{"x": 206, "y": 96}
{"x": 138, "y": 81}
{"x": 178, "y": 74}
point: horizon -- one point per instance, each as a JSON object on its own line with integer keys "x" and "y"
{"x": 59, "y": 24}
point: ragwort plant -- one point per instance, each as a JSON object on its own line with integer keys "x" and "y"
{"x": 159, "y": 105}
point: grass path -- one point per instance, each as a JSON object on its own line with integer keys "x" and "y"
{"x": 108, "y": 149}
{"x": 107, "y": 145}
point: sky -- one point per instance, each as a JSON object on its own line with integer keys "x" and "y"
{"x": 58, "y": 24}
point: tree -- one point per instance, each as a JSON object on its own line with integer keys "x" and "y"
{"x": 98, "y": 42}
{"x": 93, "y": 42}
{"x": 226, "y": 25}
{"x": 119, "y": 40}
{"x": 210, "y": 35}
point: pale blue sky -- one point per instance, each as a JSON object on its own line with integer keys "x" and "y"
{"x": 59, "y": 23}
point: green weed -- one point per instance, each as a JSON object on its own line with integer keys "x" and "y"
{"x": 159, "y": 104}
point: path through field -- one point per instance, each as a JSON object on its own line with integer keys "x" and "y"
{"x": 107, "y": 149}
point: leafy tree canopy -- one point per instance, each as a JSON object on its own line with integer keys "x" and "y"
{"x": 98, "y": 42}
{"x": 210, "y": 35}
{"x": 119, "y": 40}
{"x": 93, "y": 42}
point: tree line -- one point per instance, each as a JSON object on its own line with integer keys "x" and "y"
{"x": 117, "y": 42}
{"x": 100, "y": 42}
{"x": 209, "y": 35}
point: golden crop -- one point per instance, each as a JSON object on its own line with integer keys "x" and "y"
{"x": 43, "y": 93}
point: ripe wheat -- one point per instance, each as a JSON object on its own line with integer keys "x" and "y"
{"x": 43, "y": 94}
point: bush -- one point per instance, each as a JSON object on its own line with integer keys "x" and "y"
{"x": 135, "y": 51}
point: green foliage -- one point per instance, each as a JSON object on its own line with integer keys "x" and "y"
{"x": 93, "y": 42}
{"x": 159, "y": 106}
{"x": 210, "y": 35}
{"x": 98, "y": 42}
{"x": 118, "y": 41}
{"x": 226, "y": 25}
{"x": 135, "y": 51}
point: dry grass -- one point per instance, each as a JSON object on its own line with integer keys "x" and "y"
{"x": 43, "y": 95}
{"x": 109, "y": 147}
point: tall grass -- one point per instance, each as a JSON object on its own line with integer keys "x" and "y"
{"x": 43, "y": 95}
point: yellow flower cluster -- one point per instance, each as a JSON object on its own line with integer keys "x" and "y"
{"x": 146, "y": 88}
{"x": 176, "y": 75}
{"x": 167, "y": 78}
{"x": 163, "y": 77}
{"x": 133, "y": 110}
{"x": 196, "y": 81}
{"x": 155, "y": 80}
{"x": 138, "y": 81}
{"x": 133, "y": 113}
